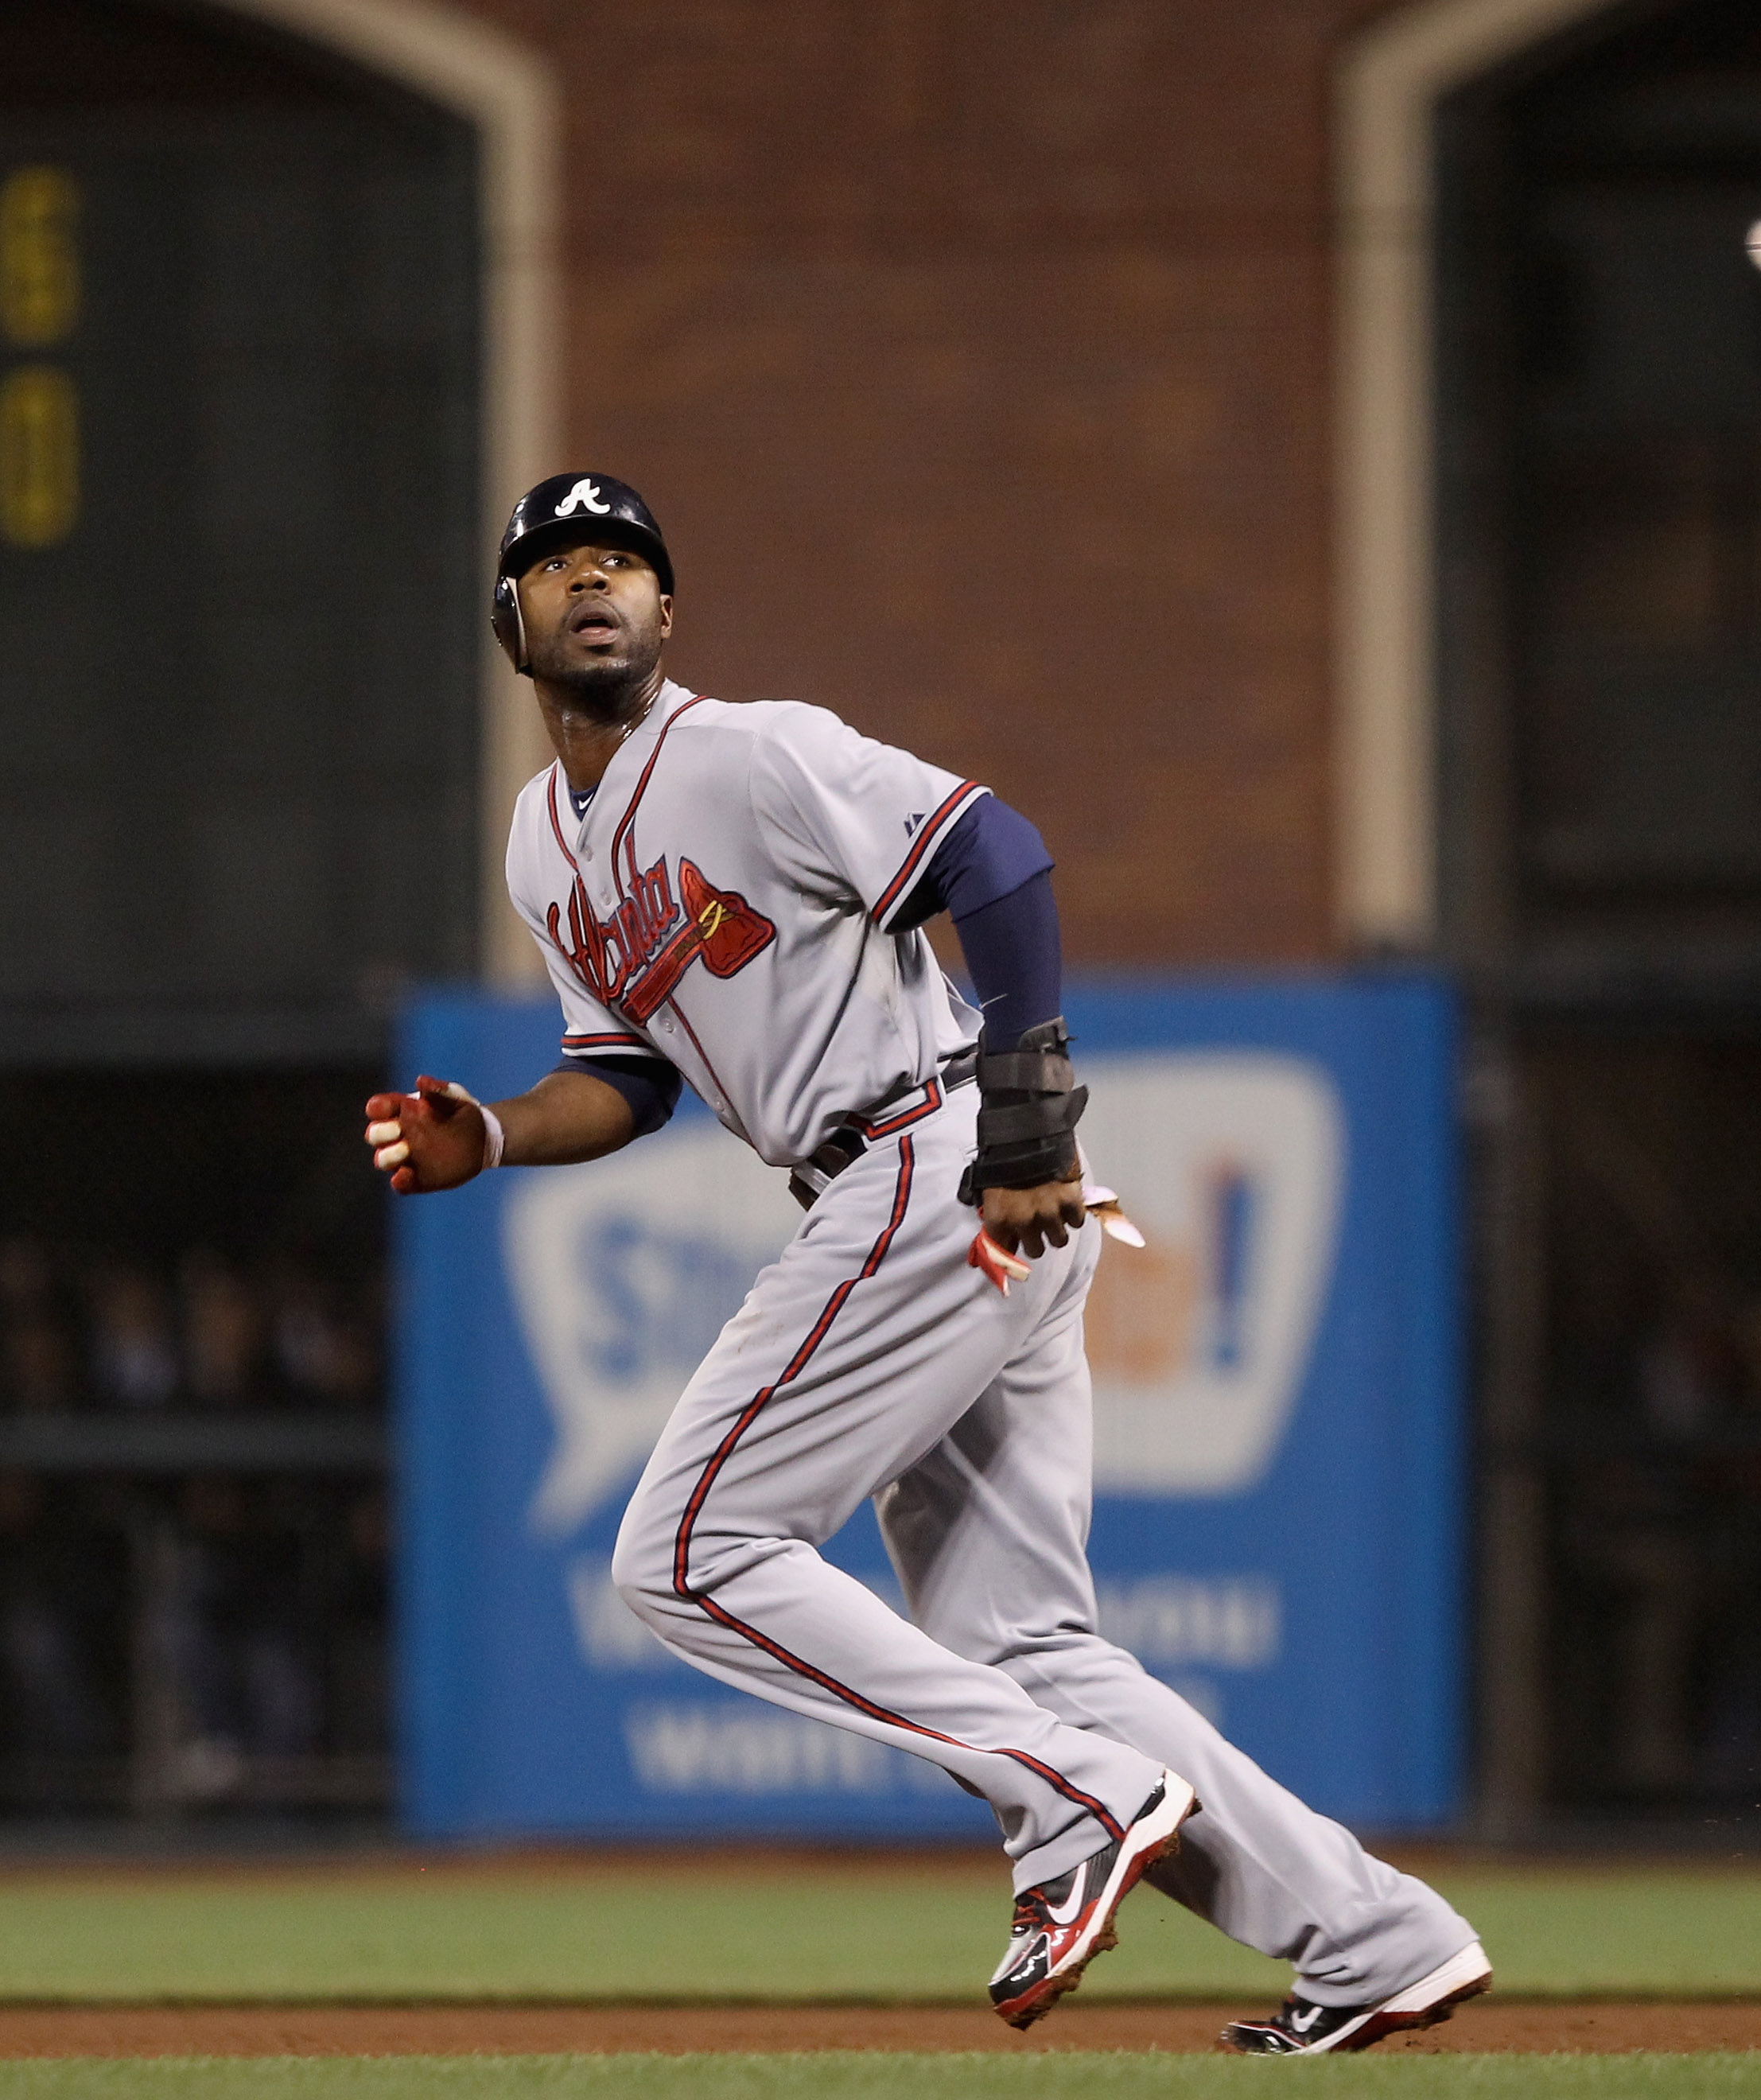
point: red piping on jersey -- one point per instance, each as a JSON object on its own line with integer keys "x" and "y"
{"x": 890, "y": 895}
{"x": 583, "y": 924}
{"x": 619, "y": 1041}
{"x": 628, "y": 816}
{"x": 556, "y": 823}
{"x": 699, "y": 1494}
{"x": 623, "y": 821}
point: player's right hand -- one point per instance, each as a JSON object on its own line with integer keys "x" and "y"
{"x": 432, "y": 1139}
{"x": 1027, "y": 1221}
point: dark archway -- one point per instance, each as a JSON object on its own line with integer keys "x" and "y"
{"x": 239, "y": 419}
{"x": 241, "y": 623}
{"x": 1600, "y": 521}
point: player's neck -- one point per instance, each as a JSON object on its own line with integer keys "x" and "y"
{"x": 588, "y": 729}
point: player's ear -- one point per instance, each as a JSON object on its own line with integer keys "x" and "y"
{"x": 666, "y": 615}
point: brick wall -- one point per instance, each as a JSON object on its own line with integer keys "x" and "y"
{"x": 972, "y": 353}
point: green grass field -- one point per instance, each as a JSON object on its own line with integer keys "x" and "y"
{"x": 927, "y": 1931}
{"x": 929, "y": 1934}
{"x": 857, "y": 2077}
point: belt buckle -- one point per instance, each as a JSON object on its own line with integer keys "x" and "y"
{"x": 810, "y": 1178}
{"x": 803, "y": 1190}
{"x": 808, "y": 1183}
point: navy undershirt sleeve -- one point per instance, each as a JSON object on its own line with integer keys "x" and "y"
{"x": 990, "y": 851}
{"x": 993, "y": 874}
{"x": 649, "y": 1084}
{"x": 1012, "y": 949}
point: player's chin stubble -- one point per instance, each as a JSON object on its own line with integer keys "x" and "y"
{"x": 598, "y": 683}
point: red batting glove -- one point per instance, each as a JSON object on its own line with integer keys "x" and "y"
{"x": 432, "y": 1139}
{"x": 992, "y": 1261}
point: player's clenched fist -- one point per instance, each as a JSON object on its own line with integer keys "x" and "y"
{"x": 432, "y": 1139}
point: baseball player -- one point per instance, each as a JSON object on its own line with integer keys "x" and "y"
{"x": 734, "y": 896}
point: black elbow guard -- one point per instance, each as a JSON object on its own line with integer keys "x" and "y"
{"x": 1030, "y": 1105}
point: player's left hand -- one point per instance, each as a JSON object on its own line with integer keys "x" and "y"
{"x": 432, "y": 1139}
{"x": 1030, "y": 1220}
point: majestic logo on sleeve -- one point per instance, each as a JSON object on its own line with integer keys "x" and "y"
{"x": 583, "y": 495}
{"x": 634, "y": 960}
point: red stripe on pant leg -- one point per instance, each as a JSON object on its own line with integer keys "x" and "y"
{"x": 902, "y": 1188}
{"x": 797, "y": 1363}
{"x": 1056, "y": 1780}
{"x": 748, "y": 1414}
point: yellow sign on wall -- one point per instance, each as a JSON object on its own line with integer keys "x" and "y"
{"x": 39, "y": 456}
{"x": 39, "y": 257}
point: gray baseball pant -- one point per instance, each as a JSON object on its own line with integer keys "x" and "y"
{"x": 871, "y": 1360}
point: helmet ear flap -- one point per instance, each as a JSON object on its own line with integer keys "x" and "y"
{"x": 509, "y": 623}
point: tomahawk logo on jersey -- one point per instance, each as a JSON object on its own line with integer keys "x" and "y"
{"x": 629, "y": 962}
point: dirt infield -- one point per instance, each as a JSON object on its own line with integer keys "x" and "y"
{"x": 517, "y": 2030}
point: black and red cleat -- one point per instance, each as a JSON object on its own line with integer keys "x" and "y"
{"x": 1301, "y": 2028}
{"x": 1061, "y": 1925}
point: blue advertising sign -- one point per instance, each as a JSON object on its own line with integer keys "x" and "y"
{"x": 1277, "y": 1463}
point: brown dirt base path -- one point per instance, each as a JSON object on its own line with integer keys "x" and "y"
{"x": 1487, "y": 2026}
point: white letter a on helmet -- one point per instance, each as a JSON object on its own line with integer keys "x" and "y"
{"x": 583, "y": 495}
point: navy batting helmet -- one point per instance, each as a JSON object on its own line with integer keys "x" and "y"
{"x": 560, "y": 509}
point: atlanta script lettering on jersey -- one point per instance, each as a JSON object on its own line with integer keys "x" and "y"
{"x": 635, "y": 959}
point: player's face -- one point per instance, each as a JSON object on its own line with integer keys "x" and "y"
{"x": 595, "y": 615}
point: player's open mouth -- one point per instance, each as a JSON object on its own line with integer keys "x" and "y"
{"x": 594, "y": 627}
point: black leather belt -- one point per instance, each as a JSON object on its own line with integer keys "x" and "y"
{"x": 895, "y": 1112}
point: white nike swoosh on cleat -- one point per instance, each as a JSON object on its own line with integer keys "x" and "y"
{"x": 1068, "y": 1912}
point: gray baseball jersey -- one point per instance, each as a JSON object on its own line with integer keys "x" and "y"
{"x": 726, "y": 904}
